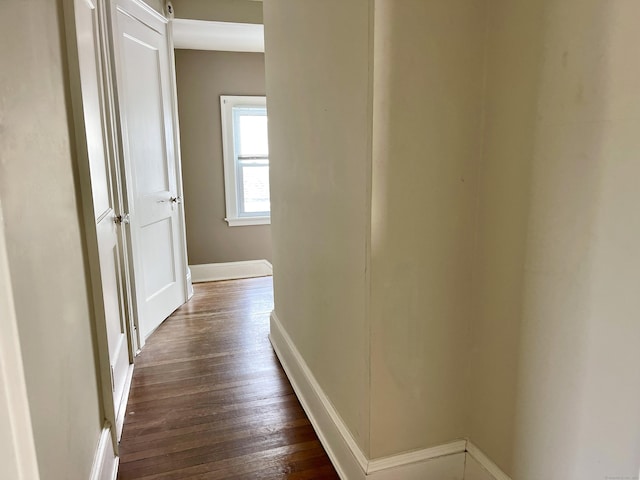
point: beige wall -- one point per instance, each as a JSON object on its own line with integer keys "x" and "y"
{"x": 240, "y": 11}
{"x": 319, "y": 134}
{"x": 503, "y": 250}
{"x": 157, "y": 5}
{"x": 554, "y": 359}
{"x": 17, "y": 448}
{"x": 44, "y": 240}
{"x": 513, "y": 63}
{"x": 426, "y": 146}
{"x": 202, "y": 76}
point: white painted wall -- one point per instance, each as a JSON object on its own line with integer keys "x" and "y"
{"x": 514, "y": 51}
{"x": 497, "y": 283}
{"x": 555, "y": 350}
{"x": 428, "y": 81}
{"x": 17, "y": 449}
{"x": 341, "y": 283}
{"x": 318, "y": 73}
{"x": 44, "y": 240}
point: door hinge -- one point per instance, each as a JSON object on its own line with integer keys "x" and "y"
{"x": 113, "y": 384}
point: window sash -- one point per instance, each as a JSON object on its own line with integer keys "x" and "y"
{"x": 241, "y": 164}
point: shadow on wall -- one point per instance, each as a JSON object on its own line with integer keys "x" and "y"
{"x": 550, "y": 314}
{"x": 524, "y": 252}
{"x": 426, "y": 142}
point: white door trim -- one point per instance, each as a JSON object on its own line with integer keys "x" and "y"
{"x": 188, "y": 286}
{"x": 17, "y": 447}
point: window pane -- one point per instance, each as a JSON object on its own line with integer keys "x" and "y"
{"x": 251, "y": 131}
{"x": 255, "y": 187}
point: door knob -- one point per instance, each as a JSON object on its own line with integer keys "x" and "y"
{"x": 120, "y": 219}
{"x": 171, "y": 200}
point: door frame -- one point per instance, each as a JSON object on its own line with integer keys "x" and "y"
{"x": 140, "y": 11}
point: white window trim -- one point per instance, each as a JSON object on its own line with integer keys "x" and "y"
{"x": 227, "y": 102}
{"x": 242, "y": 221}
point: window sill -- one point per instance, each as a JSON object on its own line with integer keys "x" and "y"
{"x": 244, "y": 221}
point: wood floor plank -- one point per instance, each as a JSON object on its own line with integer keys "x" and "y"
{"x": 209, "y": 399}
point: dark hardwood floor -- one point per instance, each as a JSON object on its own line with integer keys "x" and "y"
{"x": 209, "y": 399}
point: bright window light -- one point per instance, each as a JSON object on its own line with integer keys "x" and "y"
{"x": 246, "y": 160}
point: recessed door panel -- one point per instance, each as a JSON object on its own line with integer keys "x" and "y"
{"x": 148, "y": 149}
{"x": 158, "y": 258}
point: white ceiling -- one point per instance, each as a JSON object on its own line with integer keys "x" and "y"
{"x": 224, "y": 36}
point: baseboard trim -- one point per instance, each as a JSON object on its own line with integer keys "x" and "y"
{"x": 346, "y": 456}
{"x": 394, "y": 461}
{"x": 348, "y": 459}
{"x": 105, "y": 462}
{"x": 213, "y": 272}
{"x": 447, "y": 467}
{"x": 485, "y": 462}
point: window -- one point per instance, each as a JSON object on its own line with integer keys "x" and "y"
{"x": 246, "y": 160}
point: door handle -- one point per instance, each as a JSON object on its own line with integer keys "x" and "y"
{"x": 120, "y": 219}
{"x": 171, "y": 200}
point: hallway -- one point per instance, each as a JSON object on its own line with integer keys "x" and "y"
{"x": 209, "y": 399}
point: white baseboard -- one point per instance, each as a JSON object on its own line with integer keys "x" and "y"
{"x": 189, "y": 284}
{"x": 445, "y": 462}
{"x": 342, "y": 449}
{"x": 457, "y": 447}
{"x": 480, "y": 467}
{"x": 105, "y": 462}
{"x": 212, "y": 272}
{"x": 448, "y": 467}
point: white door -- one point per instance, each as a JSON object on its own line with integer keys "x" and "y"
{"x": 101, "y": 203}
{"x": 153, "y": 192}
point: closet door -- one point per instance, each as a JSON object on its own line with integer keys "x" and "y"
{"x": 100, "y": 203}
{"x": 145, "y": 99}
